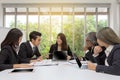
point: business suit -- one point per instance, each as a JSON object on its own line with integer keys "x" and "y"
{"x": 54, "y": 47}
{"x": 114, "y": 62}
{"x": 8, "y": 57}
{"x": 99, "y": 59}
{"x": 26, "y": 51}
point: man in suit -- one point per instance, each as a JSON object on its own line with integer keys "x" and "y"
{"x": 29, "y": 50}
{"x": 92, "y": 48}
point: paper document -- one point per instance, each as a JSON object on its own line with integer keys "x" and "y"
{"x": 45, "y": 63}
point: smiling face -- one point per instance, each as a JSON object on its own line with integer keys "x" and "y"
{"x": 59, "y": 41}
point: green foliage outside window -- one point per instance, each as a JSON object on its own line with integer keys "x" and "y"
{"x": 68, "y": 28}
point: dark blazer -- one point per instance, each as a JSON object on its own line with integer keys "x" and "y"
{"x": 99, "y": 59}
{"x": 8, "y": 57}
{"x": 54, "y": 47}
{"x": 26, "y": 51}
{"x": 114, "y": 62}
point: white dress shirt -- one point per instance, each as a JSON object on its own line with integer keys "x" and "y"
{"x": 107, "y": 52}
{"x": 32, "y": 46}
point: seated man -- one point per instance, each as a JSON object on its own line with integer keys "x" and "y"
{"x": 91, "y": 48}
{"x": 29, "y": 49}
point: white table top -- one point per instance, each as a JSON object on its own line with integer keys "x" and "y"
{"x": 62, "y": 71}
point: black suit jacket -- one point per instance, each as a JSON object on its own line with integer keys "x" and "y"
{"x": 26, "y": 52}
{"x": 8, "y": 57}
{"x": 54, "y": 47}
{"x": 99, "y": 59}
{"x": 114, "y": 62}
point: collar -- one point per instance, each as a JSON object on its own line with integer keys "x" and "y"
{"x": 31, "y": 44}
{"x": 108, "y": 50}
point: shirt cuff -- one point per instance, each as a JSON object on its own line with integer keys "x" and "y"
{"x": 95, "y": 55}
{"x": 86, "y": 51}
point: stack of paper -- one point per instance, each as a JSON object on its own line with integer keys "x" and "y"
{"x": 45, "y": 63}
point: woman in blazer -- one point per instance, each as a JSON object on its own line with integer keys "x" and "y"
{"x": 61, "y": 45}
{"x": 106, "y": 37}
{"x": 9, "y": 50}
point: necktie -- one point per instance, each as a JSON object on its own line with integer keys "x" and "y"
{"x": 34, "y": 48}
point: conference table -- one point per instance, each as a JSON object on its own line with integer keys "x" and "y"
{"x": 56, "y": 70}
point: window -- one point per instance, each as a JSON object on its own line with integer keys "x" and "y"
{"x": 55, "y": 23}
{"x": 45, "y": 29}
{"x": 21, "y": 18}
{"x": 102, "y": 17}
{"x": 73, "y": 20}
{"x": 68, "y": 25}
{"x": 10, "y": 18}
{"x": 91, "y": 19}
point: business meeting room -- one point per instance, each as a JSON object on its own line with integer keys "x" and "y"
{"x": 59, "y": 39}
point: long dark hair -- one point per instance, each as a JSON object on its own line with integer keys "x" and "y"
{"x": 64, "y": 42}
{"x": 12, "y": 38}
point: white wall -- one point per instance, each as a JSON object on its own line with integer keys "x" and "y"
{"x": 1, "y": 15}
{"x": 4, "y": 31}
{"x": 114, "y": 12}
{"x": 115, "y": 16}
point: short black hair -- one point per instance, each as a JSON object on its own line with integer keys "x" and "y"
{"x": 34, "y": 34}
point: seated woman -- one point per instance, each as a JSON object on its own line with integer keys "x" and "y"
{"x": 106, "y": 37}
{"x": 9, "y": 50}
{"x": 61, "y": 45}
{"x": 92, "y": 48}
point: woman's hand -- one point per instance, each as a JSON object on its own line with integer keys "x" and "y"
{"x": 22, "y": 66}
{"x": 91, "y": 66}
{"x": 68, "y": 57}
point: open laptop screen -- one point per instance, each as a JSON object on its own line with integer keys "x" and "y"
{"x": 60, "y": 55}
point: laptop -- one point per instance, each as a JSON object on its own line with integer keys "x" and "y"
{"x": 60, "y": 55}
{"x": 80, "y": 65}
